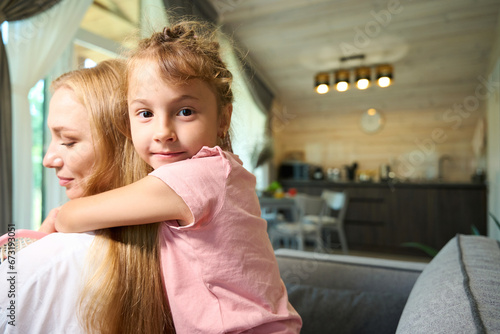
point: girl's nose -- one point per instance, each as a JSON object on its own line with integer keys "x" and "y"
{"x": 52, "y": 159}
{"x": 165, "y": 133}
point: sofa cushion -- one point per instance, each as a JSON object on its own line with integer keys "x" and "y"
{"x": 458, "y": 292}
{"x": 325, "y": 310}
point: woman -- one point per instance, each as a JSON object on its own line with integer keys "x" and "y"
{"x": 63, "y": 282}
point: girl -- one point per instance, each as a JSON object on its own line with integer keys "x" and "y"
{"x": 219, "y": 268}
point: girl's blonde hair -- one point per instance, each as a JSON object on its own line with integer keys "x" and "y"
{"x": 125, "y": 292}
{"x": 189, "y": 50}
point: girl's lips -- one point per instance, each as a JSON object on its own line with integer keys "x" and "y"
{"x": 168, "y": 154}
{"x": 161, "y": 158}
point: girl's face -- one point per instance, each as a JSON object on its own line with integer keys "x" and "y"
{"x": 71, "y": 150}
{"x": 170, "y": 122}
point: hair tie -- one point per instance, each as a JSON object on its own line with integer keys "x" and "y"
{"x": 166, "y": 35}
{"x": 177, "y": 33}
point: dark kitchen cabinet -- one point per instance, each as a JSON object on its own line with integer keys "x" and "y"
{"x": 381, "y": 216}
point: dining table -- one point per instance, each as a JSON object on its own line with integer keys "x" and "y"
{"x": 284, "y": 205}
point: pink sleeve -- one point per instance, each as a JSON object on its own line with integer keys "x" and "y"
{"x": 200, "y": 182}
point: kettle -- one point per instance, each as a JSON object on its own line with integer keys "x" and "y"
{"x": 317, "y": 173}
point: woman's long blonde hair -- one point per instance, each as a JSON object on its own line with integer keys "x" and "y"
{"x": 124, "y": 292}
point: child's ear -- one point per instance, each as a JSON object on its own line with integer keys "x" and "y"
{"x": 225, "y": 119}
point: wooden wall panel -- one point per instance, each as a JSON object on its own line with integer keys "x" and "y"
{"x": 407, "y": 142}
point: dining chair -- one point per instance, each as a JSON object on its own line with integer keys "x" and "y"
{"x": 332, "y": 219}
{"x": 294, "y": 234}
{"x": 272, "y": 216}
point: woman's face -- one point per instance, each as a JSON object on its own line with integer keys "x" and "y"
{"x": 71, "y": 150}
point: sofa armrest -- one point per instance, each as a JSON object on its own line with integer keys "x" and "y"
{"x": 458, "y": 292}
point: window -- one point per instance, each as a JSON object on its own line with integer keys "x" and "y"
{"x": 89, "y": 63}
{"x": 5, "y": 32}
{"x": 36, "y": 98}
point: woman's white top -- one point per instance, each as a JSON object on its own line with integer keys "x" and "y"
{"x": 40, "y": 292}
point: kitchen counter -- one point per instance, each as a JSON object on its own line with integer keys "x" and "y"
{"x": 383, "y": 216}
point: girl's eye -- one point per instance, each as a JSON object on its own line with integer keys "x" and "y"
{"x": 145, "y": 114}
{"x": 185, "y": 112}
{"x": 69, "y": 144}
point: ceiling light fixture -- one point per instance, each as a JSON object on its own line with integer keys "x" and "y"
{"x": 361, "y": 73}
{"x": 322, "y": 83}
{"x": 363, "y": 77}
{"x": 384, "y": 75}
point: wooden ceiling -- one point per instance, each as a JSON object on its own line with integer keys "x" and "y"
{"x": 114, "y": 21}
{"x": 438, "y": 48}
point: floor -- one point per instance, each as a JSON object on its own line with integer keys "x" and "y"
{"x": 336, "y": 250}
{"x": 390, "y": 256}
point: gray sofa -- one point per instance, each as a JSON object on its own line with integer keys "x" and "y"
{"x": 457, "y": 292}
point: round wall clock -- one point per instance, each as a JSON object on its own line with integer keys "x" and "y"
{"x": 371, "y": 121}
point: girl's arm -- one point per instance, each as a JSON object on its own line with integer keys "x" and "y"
{"x": 146, "y": 201}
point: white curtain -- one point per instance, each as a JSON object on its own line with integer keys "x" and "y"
{"x": 33, "y": 47}
{"x": 248, "y": 123}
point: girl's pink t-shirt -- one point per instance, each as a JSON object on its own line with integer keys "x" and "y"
{"x": 220, "y": 272}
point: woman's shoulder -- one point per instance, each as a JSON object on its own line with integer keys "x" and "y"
{"x": 49, "y": 270}
{"x": 55, "y": 242}
{"x": 51, "y": 251}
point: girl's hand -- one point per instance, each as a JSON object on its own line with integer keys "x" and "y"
{"x": 49, "y": 224}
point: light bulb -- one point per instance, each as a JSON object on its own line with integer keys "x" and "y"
{"x": 322, "y": 82}
{"x": 342, "y": 78}
{"x": 384, "y": 82}
{"x": 322, "y": 89}
{"x": 363, "y": 84}
{"x": 342, "y": 86}
{"x": 384, "y": 75}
